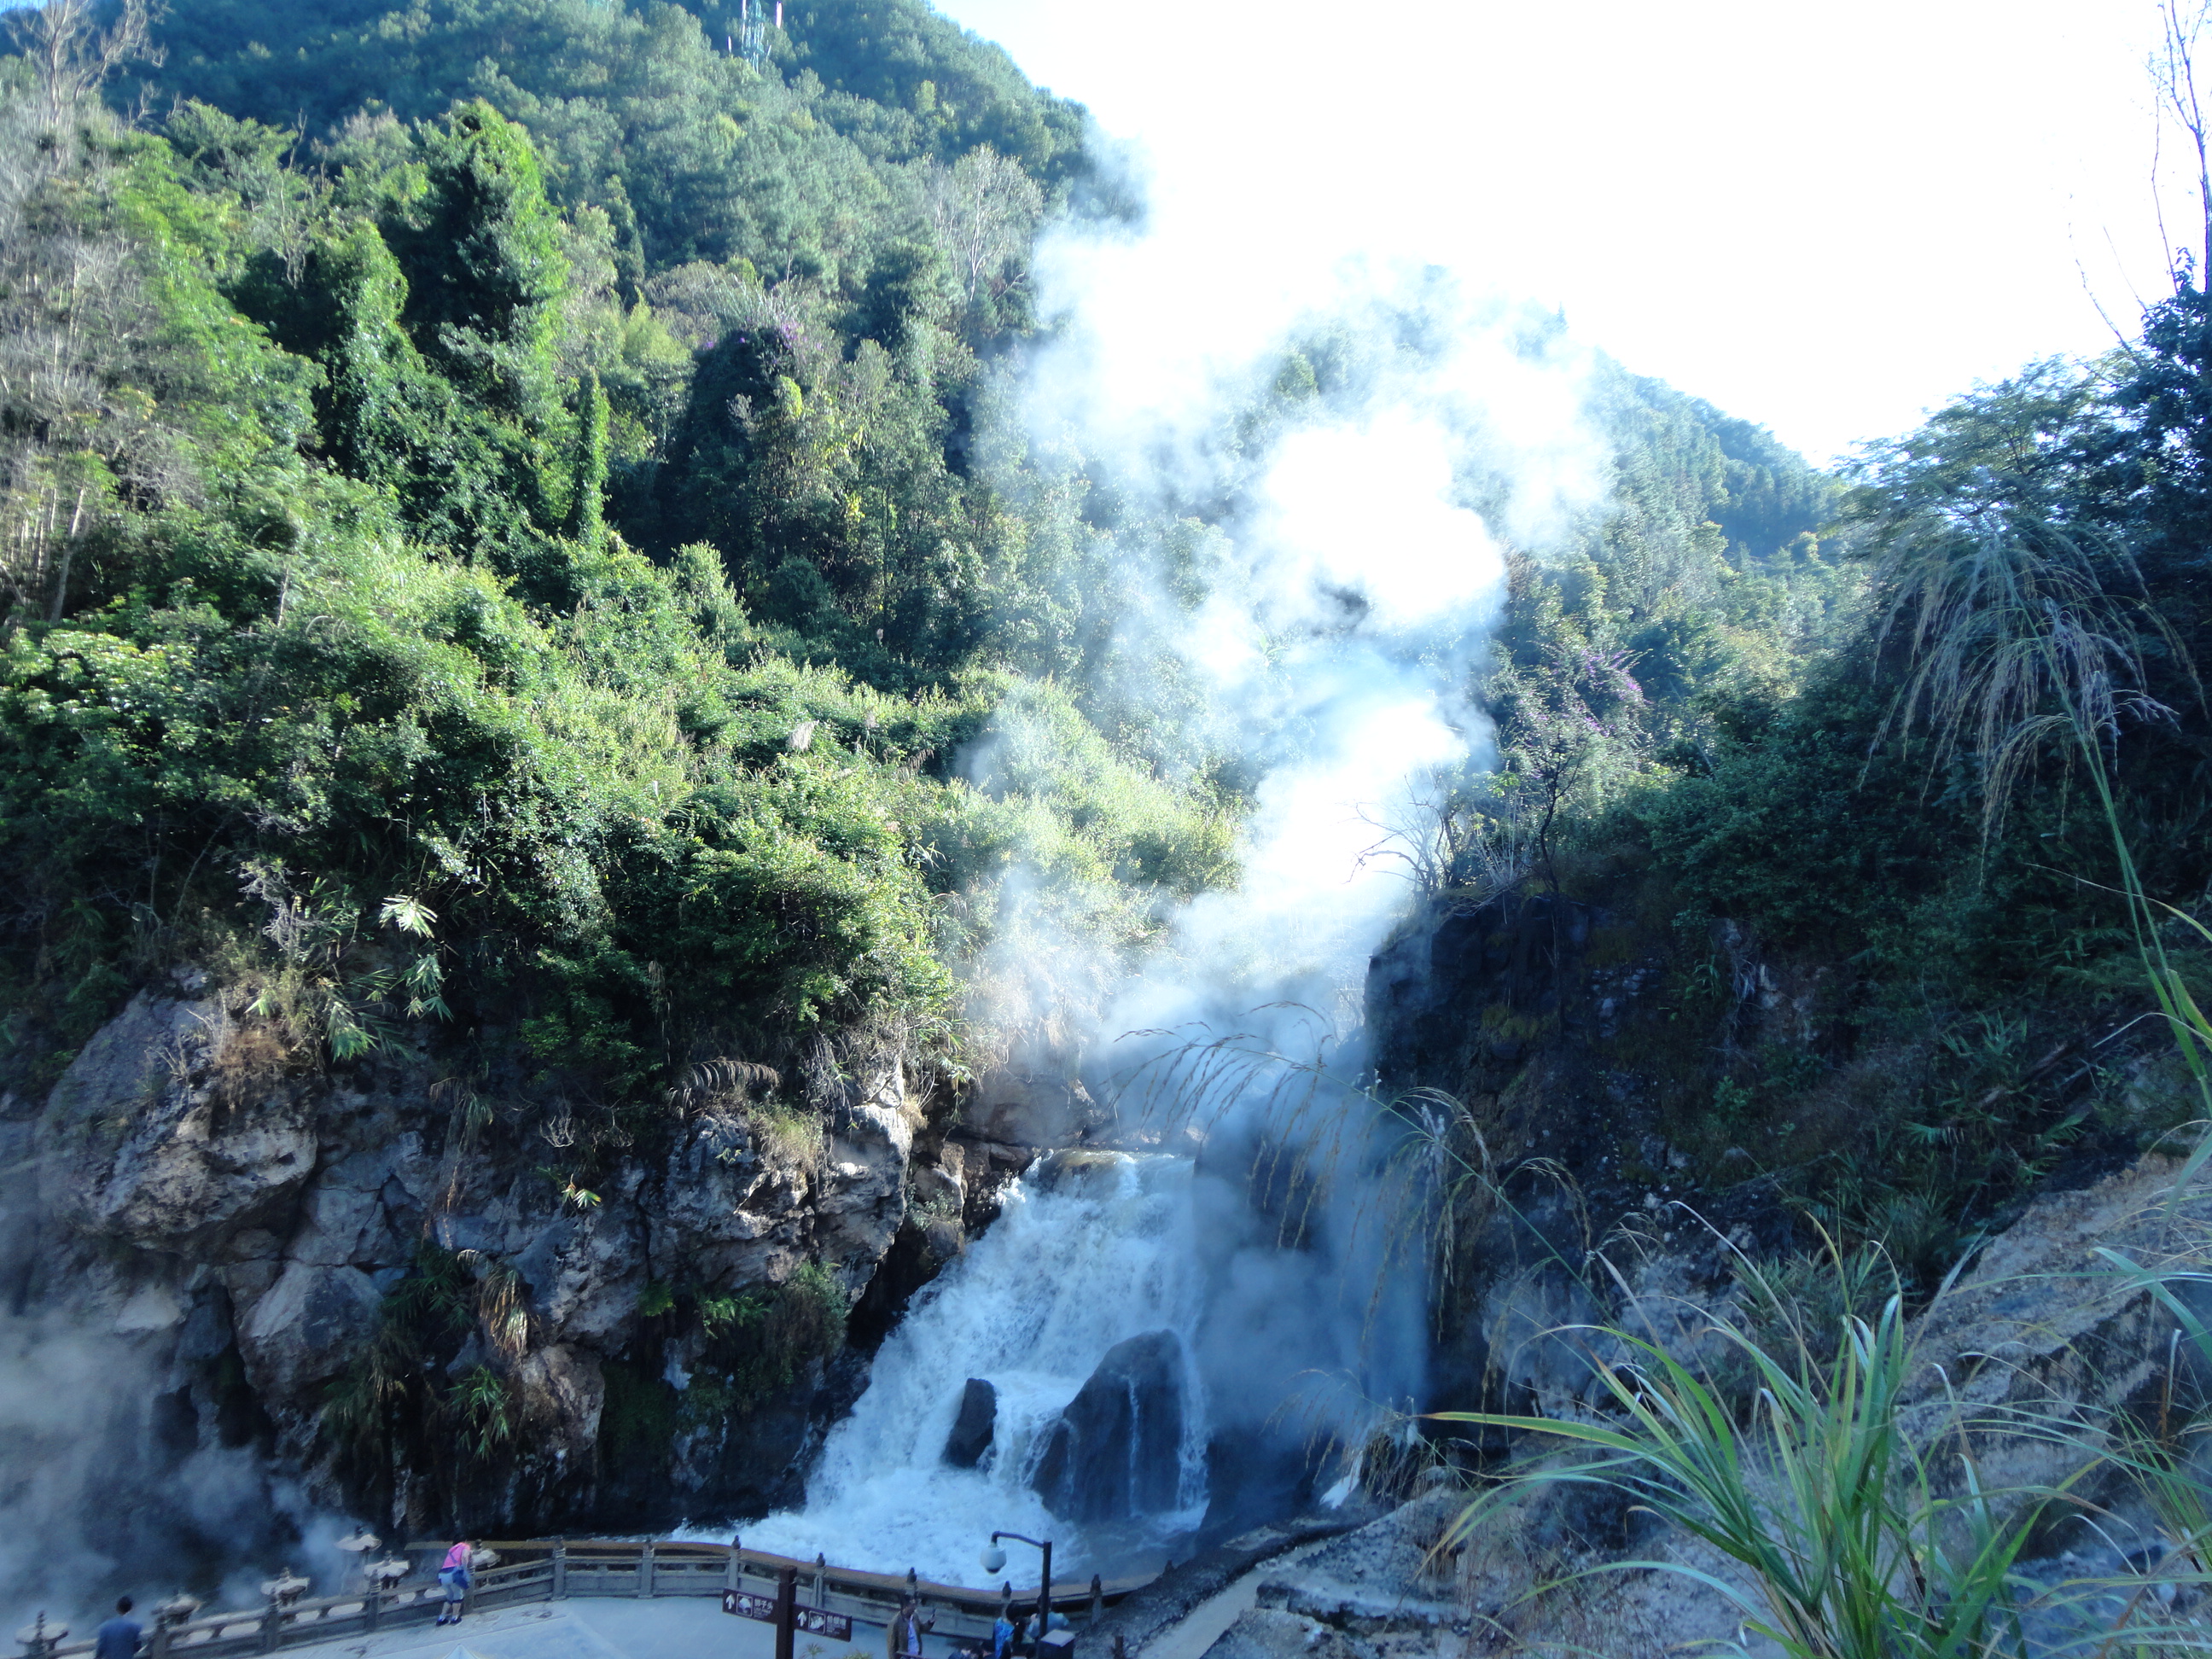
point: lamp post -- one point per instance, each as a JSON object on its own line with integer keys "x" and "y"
{"x": 994, "y": 1559}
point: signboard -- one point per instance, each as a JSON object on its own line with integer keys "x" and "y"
{"x": 814, "y": 1622}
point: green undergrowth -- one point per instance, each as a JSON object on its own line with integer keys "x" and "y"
{"x": 342, "y": 619}
{"x": 743, "y": 1352}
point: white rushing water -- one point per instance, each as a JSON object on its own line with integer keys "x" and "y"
{"x": 1107, "y": 1251}
{"x": 1332, "y": 624}
{"x": 1337, "y": 644}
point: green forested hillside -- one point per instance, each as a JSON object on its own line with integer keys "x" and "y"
{"x": 647, "y": 113}
{"x": 493, "y": 541}
{"x": 329, "y": 658}
{"x": 1844, "y": 808}
{"x": 495, "y": 545}
{"x": 696, "y": 185}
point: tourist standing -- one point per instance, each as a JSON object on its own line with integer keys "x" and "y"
{"x": 119, "y": 1638}
{"x": 907, "y": 1626}
{"x": 454, "y": 1574}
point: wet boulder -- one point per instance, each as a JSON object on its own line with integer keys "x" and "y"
{"x": 1117, "y": 1449}
{"x": 973, "y": 1429}
{"x": 1033, "y": 1106}
{"x": 306, "y": 1328}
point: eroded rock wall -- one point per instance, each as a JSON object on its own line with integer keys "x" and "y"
{"x": 235, "y": 1232}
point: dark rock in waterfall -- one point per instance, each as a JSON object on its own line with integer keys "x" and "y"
{"x": 971, "y": 1431}
{"x": 1117, "y": 1449}
{"x": 919, "y": 1250}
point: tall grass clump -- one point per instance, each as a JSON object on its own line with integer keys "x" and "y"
{"x": 1855, "y": 1538}
{"x": 1846, "y": 1493}
{"x": 2026, "y": 641}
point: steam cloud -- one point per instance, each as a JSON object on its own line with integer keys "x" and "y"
{"x": 1365, "y": 555}
{"x": 1347, "y": 595}
{"x": 101, "y": 1494}
{"x": 1340, "y": 641}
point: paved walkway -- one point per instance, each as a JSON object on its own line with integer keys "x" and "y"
{"x": 1189, "y": 1636}
{"x": 601, "y": 1627}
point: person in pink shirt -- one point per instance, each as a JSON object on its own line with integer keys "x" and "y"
{"x": 454, "y": 1574}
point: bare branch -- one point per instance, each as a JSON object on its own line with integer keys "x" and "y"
{"x": 2173, "y": 70}
{"x": 74, "y": 56}
{"x": 984, "y": 208}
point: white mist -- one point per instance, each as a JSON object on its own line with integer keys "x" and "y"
{"x": 1350, "y": 590}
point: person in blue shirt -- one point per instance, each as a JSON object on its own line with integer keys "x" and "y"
{"x": 119, "y": 1639}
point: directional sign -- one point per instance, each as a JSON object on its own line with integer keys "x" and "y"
{"x": 748, "y": 1606}
{"x": 814, "y": 1620}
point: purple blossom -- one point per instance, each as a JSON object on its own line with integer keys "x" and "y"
{"x": 1608, "y": 670}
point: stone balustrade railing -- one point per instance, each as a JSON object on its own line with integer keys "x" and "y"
{"x": 552, "y": 1568}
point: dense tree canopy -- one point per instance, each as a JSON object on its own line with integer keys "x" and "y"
{"x": 322, "y": 485}
{"x": 506, "y": 521}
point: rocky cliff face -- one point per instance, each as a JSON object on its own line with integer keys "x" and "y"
{"x": 395, "y": 1305}
{"x": 1546, "y": 1018}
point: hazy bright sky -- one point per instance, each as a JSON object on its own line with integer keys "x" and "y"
{"x": 1824, "y": 218}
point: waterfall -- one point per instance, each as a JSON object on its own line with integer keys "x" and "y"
{"x": 1269, "y": 1260}
{"x": 1090, "y": 1250}
{"x": 1333, "y": 630}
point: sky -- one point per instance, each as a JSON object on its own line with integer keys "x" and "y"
{"x": 1825, "y": 219}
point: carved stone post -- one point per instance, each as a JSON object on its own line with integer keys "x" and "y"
{"x": 645, "y": 1570}
{"x": 1097, "y": 1598}
{"x": 560, "y": 1569}
{"x": 733, "y": 1577}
